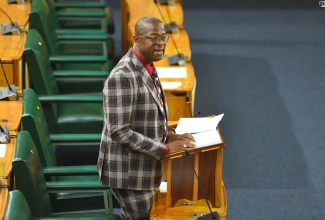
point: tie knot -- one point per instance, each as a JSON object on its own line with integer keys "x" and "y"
{"x": 154, "y": 73}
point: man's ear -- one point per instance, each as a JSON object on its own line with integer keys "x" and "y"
{"x": 136, "y": 39}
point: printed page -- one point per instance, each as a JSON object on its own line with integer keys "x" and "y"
{"x": 207, "y": 138}
{"x": 195, "y": 125}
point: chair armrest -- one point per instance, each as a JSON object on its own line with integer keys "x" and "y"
{"x": 96, "y": 74}
{"x": 81, "y": 14}
{"x": 82, "y": 36}
{"x": 71, "y": 170}
{"x": 70, "y": 98}
{"x": 64, "y": 5}
{"x": 73, "y": 138}
{"x": 83, "y": 32}
{"x": 78, "y": 59}
{"x": 61, "y": 186}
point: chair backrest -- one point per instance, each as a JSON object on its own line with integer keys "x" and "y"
{"x": 29, "y": 176}
{"x": 39, "y": 66}
{"x": 17, "y": 207}
{"x": 43, "y": 20}
{"x": 34, "y": 121}
{"x": 40, "y": 70}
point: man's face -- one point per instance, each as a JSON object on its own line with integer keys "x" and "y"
{"x": 151, "y": 43}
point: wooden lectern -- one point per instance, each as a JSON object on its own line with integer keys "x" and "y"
{"x": 183, "y": 199}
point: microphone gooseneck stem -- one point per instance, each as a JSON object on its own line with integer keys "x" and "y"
{"x": 7, "y": 16}
{"x": 188, "y": 104}
{"x": 187, "y": 154}
{"x": 4, "y": 73}
{"x": 171, "y": 36}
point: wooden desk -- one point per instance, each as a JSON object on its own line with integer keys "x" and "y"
{"x": 12, "y": 46}
{"x": 11, "y": 113}
{"x": 6, "y": 160}
{"x": 11, "y": 51}
{"x": 176, "y": 97}
{"x": 17, "y": 12}
{"x": 3, "y": 197}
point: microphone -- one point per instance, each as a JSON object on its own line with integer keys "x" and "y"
{"x": 171, "y": 27}
{"x": 166, "y": 2}
{"x": 16, "y": 1}
{"x": 4, "y": 135}
{"x": 178, "y": 59}
{"x": 211, "y": 215}
{"x": 11, "y": 28}
{"x": 10, "y": 91}
{"x": 188, "y": 104}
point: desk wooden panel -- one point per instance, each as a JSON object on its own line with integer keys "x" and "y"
{"x": 11, "y": 112}
{"x": 11, "y": 52}
{"x": 6, "y": 161}
{"x": 12, "y": 46}
{"x": 176, "y": 98}
{"x": 3, "y": 197}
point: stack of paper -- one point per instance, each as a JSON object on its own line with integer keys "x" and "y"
{"x": 204, "y": 130}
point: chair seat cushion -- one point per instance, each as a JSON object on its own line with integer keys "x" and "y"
{"x": 80, "y": 112}
{"x": 80, "y": 118}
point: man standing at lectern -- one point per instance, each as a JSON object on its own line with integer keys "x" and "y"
{"x": 135, "y": 135}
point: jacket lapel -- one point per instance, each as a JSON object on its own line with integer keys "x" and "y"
{"x": 145, "y": 77}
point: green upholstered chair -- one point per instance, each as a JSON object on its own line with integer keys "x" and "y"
{"x": 17, "y": 209}
{"x": 30, "y": 180}
{"x": 65, "y": 113}
{"x": 83, "y": 41}
{"x": 33, "y": 121}
{"x": 87, "y": 12}
{"x": 39, "y": 62}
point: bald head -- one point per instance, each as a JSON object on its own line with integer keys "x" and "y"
{"x": 143, "y": 24}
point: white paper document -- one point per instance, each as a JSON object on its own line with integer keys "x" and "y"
{"x": 204, "y": 130}
{"x": 207, "y": 138}
{"x": 171, "y": 72}
{"x": 195, "y": 125}
{"x": 171, "y": 85}
{"x": 163, "y": 187}
{"x": 3, "y": 148}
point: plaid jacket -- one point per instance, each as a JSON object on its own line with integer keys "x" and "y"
{"x": 131, "y": 145}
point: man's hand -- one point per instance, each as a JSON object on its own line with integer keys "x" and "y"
{"x": 171, "y": 137}
{"x": 180, "y": 146}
